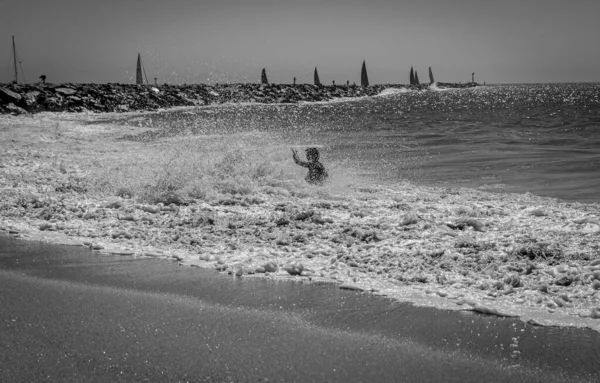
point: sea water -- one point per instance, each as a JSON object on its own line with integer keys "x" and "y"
{"x": 541, "y": 138}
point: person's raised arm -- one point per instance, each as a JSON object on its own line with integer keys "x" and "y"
{"x": 298, "y": 160}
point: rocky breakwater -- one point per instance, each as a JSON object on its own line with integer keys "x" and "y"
{"x": 31, "y": 98}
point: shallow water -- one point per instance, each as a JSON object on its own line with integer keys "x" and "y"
{"x": 389, "y": 339}
{"x": 543, "y": 139}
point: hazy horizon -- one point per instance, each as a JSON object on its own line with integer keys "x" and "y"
{"x": 185, "y": 41}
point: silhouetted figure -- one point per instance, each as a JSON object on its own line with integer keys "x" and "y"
{"x": 347, "y": 82}
{"x": 294, "y": 81}
{"x": 333, "y": 82}
{"x": 473, "y": 77}
{"x": 316, "y": 171}
{"x": 156, "y": 81}
{"x": 43, "y": 78}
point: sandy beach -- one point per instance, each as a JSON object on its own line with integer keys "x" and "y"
{"x": 202, "y": 201}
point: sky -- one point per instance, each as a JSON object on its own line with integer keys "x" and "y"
{"x": 201, "y": 41}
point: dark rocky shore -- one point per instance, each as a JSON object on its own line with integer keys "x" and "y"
{"x": 32, "y": 98}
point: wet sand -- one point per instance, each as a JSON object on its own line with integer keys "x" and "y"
{"x": 71, "y": 315}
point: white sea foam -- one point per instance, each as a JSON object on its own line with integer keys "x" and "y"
{"x": 393, "y": 91}
{"x": 434, "y": 86}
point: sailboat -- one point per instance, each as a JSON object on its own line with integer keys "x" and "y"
{"x": 139, "y": 80}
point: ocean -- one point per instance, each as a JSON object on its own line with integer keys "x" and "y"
{"x": 538, "y": 138}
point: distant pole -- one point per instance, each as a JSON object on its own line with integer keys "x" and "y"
{"x": 15, "y": 59}
{"x": 473, "y": 77}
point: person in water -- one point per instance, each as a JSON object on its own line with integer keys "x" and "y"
{"x": 316, "y": 171}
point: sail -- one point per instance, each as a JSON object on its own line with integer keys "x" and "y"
{"x": 364, "y": 79}
{"x": 317, "y": 81}
{"x": 263, "y": 77}
{"x": 412, "y": 76}
{"x": 417, "y": 82}
{"x": 139, "y": 80}
{"x": 431, "y": 80}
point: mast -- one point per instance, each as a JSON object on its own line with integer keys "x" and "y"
{"x": 15, "y": 59}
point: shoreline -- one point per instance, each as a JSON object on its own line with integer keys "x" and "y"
{"x": 515, "y": 255}
{"x": 34, "y": 98}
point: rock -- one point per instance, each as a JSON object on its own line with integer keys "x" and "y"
{"x": 260, "y": 270}
{"x": 65, "y": 91}
{"x": 13, "y": 109}
{"x": 7, "y": 96}
{"x": 595, "y": 313}
{"x": 45, "y": 226}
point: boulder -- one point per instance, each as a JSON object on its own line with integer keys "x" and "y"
{"x": 65, "y": 91}
{"x": 8, "y": 96}
{"x": 13, "y": 109}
